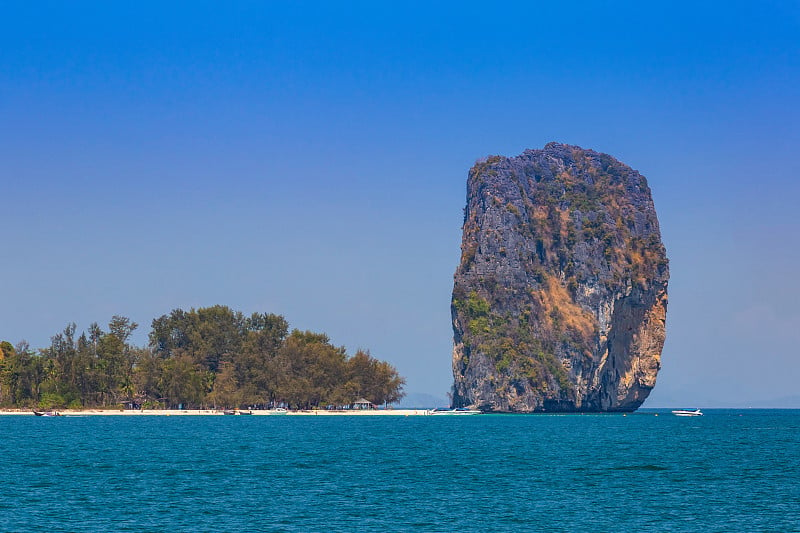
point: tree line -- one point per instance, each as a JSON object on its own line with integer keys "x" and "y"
{"x": 210, "y": 357}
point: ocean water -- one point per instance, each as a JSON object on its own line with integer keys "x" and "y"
{"x": 727, "y": 471}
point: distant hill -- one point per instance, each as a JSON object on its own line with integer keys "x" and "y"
{"x": 674, "y": 401}
{"x": 422, "y": 400}
{"x": 786, "y": 402}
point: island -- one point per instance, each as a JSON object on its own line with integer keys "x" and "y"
{"x": 560, "y": 296}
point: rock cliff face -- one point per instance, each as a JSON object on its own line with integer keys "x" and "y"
{"x": 560, "y": 299}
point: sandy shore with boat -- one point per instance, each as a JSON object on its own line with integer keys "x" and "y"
{"x": 220, "y": 412}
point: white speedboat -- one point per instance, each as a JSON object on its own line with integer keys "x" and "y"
{"x": 277, "y": 411}
{"x": 686, "y": 412}
{"x": 457, "y": 411}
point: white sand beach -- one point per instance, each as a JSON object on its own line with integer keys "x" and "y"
{"x": 219, "y": 412}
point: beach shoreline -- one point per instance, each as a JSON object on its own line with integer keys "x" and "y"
{"x": 220, "y": 412}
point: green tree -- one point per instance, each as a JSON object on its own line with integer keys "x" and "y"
{"x": 148, "y": 378}
{"x": 209, "y": 355}
{"x": 60, "y": 370}
{"x": 122, "y": 358}
{"x": 25, "y": 373}
{"x": 259, "y": 369}
{"x": 225, "y": 392}
{"x": 208, "y": 335}
{"x": 184, "y": 383}
{"x": 374, "y": 380}
{"x": 315, "y": 369}
{"x": 7, "y": 352}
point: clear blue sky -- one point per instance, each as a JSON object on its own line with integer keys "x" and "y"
{"x": 310, "y": 159}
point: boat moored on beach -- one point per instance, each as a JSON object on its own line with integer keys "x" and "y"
{"x": 47, "y": 413}
{"x": 687, "y": 412}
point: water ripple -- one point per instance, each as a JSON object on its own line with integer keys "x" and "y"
{"x": 489, "y": 473}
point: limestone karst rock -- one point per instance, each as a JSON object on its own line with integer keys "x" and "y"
{"x": 560, "y": 298}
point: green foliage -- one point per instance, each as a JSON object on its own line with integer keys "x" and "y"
{"x": 6, "y": 350}
{"x": 508, "y": 340}
{"x": 206, "y": 357}
{"x": 49, "y": 400}
{"x": 478, "y": 325}
{"x": 476, "y": 312}
{"x": 208, "y": 335}
{"x": 475, "y": 306}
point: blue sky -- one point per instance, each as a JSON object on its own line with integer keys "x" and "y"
{"x": 310, "y": 160}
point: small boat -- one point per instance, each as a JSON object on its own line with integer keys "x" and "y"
{"x": 456, "y": 411}
{"x": 687, "y": 412}
{"x": 47, "y": 413}
{"x": 236, "y": 412}
{"x": 277, "y": 411}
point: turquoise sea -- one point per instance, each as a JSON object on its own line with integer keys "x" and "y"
{"x": 730, "y": 470}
